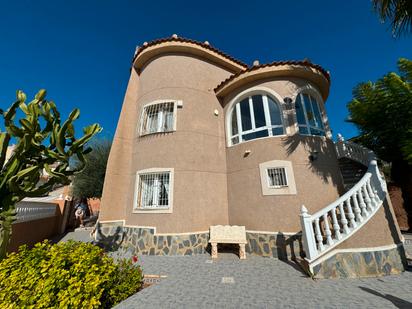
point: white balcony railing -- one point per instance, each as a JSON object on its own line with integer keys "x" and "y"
{"x": 330, "y": 226}
{"x": 28, "y": 211}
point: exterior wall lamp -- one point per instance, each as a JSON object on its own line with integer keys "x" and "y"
{"x": 288, "y": 102}
{"x": 313, "y": 155}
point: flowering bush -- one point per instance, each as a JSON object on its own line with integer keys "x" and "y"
{"x": 69, "y": 275}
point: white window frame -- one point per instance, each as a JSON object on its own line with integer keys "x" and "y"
{"x": 145, "y": 108}
{"x": 289, "y": 189}
{"x": 286, "y": 177}
{"x": 268, "y": 127}
{"x": 169, "y": 208}
{"x": 307, "y": 124}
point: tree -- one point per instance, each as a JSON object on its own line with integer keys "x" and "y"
{"x": 89, "y": 182}
{"x": 42, "y": 141}
{"x": 397, "y": 12}
{"x": 382, "y": 111}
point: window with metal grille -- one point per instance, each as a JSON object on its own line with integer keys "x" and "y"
{"x": 158, "y": 117}
{"x": 277, "y": 177}
{"x": 154, "y": 190}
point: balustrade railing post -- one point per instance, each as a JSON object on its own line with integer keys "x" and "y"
{"x": 362, "y": 204}
{"x": 343, "y": 219}
{"x": 356, "y": 209}
{"x": 351, "y": 216}
{"x": 371, "y": 193}
{"x": 328, "y": 233}
{"x": 308, "y": 236}
{"x": 368, "y": 201}
{"x": 318, "y": 235}
{"x": 335, "y": 225}
{"x": 378, "y": 180}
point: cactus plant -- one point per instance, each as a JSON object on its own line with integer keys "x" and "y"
{"x": 42, "y": 144}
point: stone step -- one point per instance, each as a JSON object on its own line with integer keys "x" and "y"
{"x": 351, "y": 172}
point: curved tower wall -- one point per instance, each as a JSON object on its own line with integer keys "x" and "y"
{"x": 196, "y": 150}
{"x": 317, "y": 182}
{"x": 119, "y": 179}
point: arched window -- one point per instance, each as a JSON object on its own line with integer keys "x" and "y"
{"x": 254, "y": 117}
{"x": 308, "y": 115}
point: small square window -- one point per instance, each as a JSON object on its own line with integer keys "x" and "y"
{"x": 158, "y": 118}
{"x": 153, "y": 191}
{"x": 277, "y": 177}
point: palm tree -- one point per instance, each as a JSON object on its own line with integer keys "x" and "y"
{"x": 397, "y": 12}
{"x": 382, "y": 111}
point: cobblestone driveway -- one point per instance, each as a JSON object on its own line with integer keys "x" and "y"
{"x": 194, "y": 282}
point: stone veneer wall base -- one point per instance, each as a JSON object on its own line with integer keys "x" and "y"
{"x": 276, "y": 245}
{"x": 361, "y": 264}
{"x": 144, "y": 241}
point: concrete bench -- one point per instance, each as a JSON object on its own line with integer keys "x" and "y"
{"x": 228, "y": 234}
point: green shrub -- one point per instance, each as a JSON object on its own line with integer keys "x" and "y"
{"x": 65, "y": 275}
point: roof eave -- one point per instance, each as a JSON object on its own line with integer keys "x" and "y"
{"x": 146, "y": 53}
{"x": 308, "y": 73}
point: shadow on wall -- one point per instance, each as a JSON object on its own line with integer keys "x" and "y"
{"x": 288, "y": 249}
{"x": 391, "y": 221}
{"x": 321, "y": 157}
{"x": 112, "y": 241}
{"x": 396, "y": 301}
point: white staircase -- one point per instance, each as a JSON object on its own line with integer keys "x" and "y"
{"x": 325, "y": 229}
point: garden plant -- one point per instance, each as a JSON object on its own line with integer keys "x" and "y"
{"x": 66, "y": 275}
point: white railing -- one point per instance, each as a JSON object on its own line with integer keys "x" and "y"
{"x": 353, "y": 151}
{"x": 28, "y": 211}
{"x": 328, "y": 227}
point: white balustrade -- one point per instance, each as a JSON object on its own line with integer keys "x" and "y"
{"x": 336, "y": 227}
{"x": 28, "y": 211}
{"x": 351, "y": 216}
{"x": 348, "y": 213}
{"x": 343, "y": 219}
{"x": 353, "y": 151}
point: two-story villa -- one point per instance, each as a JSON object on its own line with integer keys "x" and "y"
{"x": 204, "y": 139}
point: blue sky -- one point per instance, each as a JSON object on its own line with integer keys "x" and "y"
{"x": 81, "y": 51}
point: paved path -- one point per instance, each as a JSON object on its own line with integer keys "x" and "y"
{"x": 82, "y": 235}
{"x": 197, "y": 282}
{"x": 194, "y": 282}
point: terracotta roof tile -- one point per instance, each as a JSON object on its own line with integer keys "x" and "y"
{"x": 206, "y": 45}
{"x": 275, "y": 63}
{"x": 184, "y": 40}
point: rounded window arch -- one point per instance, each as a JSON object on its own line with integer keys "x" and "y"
{"x": 309, "y": 115}
{"x": 255, "y": 116}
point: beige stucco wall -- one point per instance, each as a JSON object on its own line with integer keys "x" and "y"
{"x": 196, "y": 150}
{"x": 317, "y": 183}
{"x": 119, "y": 177}
{"x": 213, "y": 183}
{"x": 247, "y": 204}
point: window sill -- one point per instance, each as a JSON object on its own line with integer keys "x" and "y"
{"x": 256, "y": 139}
{"x": 157, "y": 210}
{"x": 154, "y": 133}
